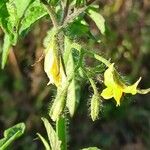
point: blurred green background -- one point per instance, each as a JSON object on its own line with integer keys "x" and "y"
{"x": 24, "y": 96}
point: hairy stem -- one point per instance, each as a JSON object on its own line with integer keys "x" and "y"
{"x": 65, "y": 7}
{"x": 90, "y": 53}
{"x": 50, "y": 12}
{"x": 62, "y": 131}
{"x": 73, "y": 16}
{"x": 98, "y": 57}
{"x": 91, "y": 81}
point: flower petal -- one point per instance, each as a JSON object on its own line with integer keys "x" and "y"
{"x": 117, "y": 93}
{"x": 107, "y": 93}
{"x": 132, "y": 88}
{"x": 51, "y": 67}
{"x": 108, "y": 76}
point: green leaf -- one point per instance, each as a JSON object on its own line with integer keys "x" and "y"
{"x": 1, "y": 3}
{"x": 22, "y": 6}
{"x": 74, "y": 89}
{"x": 79, "y": 3}
{"x": 54, "y": 2}
{"x": 12, "y": 12}
{"x": 91, "y": 148}
{"x": 45, "y": 143}
{"x": 34, "y": 13}
{"x": 78, "y": 29}
{"x": 52, "y": 136}
{"x": 3, "y": 16}
{"x": 12, "y": 21}
{"x": 68, "y": 46}
{"x": 11, "y": 135}
{"x": 98, "y": 19}
{"x": 6, "y": 48}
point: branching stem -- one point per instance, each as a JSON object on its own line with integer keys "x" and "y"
{"x": 51, "y": 13}
{"x": 73, "y": 16}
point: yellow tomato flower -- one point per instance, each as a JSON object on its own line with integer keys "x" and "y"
{"x": 115, "y": 87}
{"x": 53, "y": 67}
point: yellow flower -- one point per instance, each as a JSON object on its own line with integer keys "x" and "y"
{"x": 115, "y": 87}
{"x": 53, "y": 66}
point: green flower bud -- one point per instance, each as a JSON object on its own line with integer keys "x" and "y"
{"x": 95, "y": 106}
{"x": 58, "y": 104}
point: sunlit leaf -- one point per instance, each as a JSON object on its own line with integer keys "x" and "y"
{"x": 12, "y": 12}
{"x": 33, "y": 13}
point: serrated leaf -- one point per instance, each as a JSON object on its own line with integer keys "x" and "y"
{"x": 45, "y": 143}
{"x": 52, "y": 136}
{"x": 11, "y": 135}
{"x": 6, "y": 48}
{"x": 91, "y": 148}
{"x": 98, "y": 19}
{"x": 34, "y": 13}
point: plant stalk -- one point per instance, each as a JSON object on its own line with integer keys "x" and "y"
{"x": 51, "y": 13}
{"x": 61, "y": 131}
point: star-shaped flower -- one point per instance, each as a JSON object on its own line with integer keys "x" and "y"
{"x": 115, "y": 87}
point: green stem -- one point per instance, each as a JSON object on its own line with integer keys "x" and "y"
{"x": 98, "y": 57}
{"x": 62, "y": 131}
{"x": 74, "y": 15}
{"x": 93, "y": 85}
{"x": 65, "y": 7}
{"x": 90, "y": 53}
{"x": 51, "y": 13}
{"x": 91, "y": 81}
